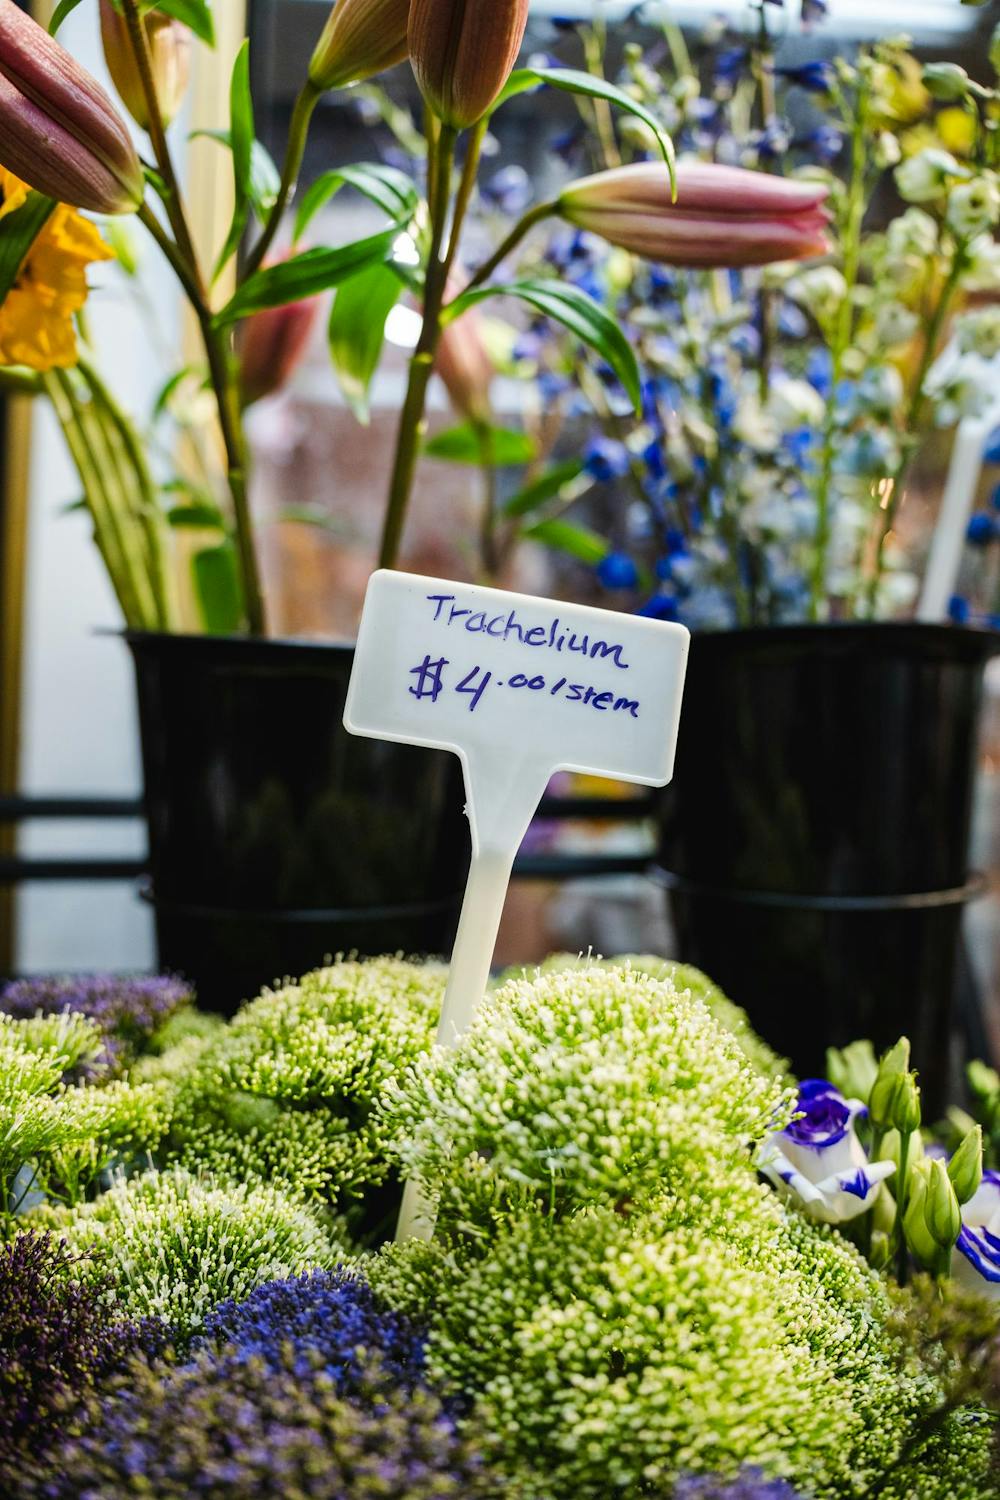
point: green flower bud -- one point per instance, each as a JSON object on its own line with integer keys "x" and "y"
{"x": 966, "y": 1166}
{"x": 880, "y": 1251}
{"x": 894, "y": 1101}
{"x": 919, "y": 1238}
{"x": 945, "y": 80}
{"x": 852, "y": 1069}
{"x": 942, "y": 1213}
{"x": 984, "y": 1081}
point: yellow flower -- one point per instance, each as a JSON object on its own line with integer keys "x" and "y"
{"x": 36, "y": 316}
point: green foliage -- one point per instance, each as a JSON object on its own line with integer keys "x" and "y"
{"x": 285, "y": 1093}
{"x": 614, "y": 1287}
{"x": 174, "y": 1245}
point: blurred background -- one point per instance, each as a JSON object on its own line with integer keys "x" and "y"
{"x": 71, "y": 897}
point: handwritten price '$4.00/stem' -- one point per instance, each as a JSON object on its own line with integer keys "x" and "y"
{"x": 429, "y": 683}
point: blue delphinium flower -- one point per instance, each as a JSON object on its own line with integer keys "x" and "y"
{"x": 750, "y": 1484}
{"x": 982, "y": 529}
{"x": 331, "y": 1321}
{"x": 816, "y": 77}
{"x": 618, "y": 571}
{"x": 128, "y": 1010}
{"x": 606, "y": 459}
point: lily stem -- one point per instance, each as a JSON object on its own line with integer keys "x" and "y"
{"x": 295, "y": 150}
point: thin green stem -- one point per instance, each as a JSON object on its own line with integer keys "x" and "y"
{"x": 226, "y": 389}
{"x": 58, "y": 388}
{"x": 901, "y": 1197}
{"x": 295, "y": 150}
{"x": 911, "y": 422}
{"x": 521, "y": 228}
{"x": 842, "y": 334}
{"x": 422, "y": 363}
{"x": 594, "y": 38}
{"x": 155, "y": 129}
{"x": 463, "y": 197}
{"x": 147, "y": 507}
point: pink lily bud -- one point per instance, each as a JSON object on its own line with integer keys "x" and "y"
{"x": 170, "y": 52}
{"x": 463, "y": 52}
{"x": 59, "y": 131}
{"x": 361, "y": 38}
{"x": 270, "y": 346}
{"x": 723, "y": 216}
{"x": 464, "y": 364}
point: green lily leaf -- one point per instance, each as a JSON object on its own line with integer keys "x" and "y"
{"x": 387, "y": 187}
{"x": 216, "y": 575}
{"x": 264, "y": 182}
{"x": 18, "y": 233}
{"x": 571, "y": 81}
{"x": 197, "y": 516}
{"x": 357, "y": 332}
{"x": 546, "y": 487}
{"x": 575, "y": 310}
{"x": 577, "y": 541}
{"x": 62, "y": 10}
{"x": 241, "y": 139}
{"x": 195, "y": 14}
{"x": 500, "y": 447}
{"x": 305, "y": 275}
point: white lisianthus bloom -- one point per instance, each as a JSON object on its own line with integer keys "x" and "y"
{"x": 977, "y": 1266}
{"x": 818, "y": 1161}
{"x": 928, "y": 174}
{"x": 974, "y": 207}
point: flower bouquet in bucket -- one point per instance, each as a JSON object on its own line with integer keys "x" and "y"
{"x": 258, "y": 883}
{"x": 615, "y": 1301}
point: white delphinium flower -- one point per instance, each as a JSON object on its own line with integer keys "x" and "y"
{"x": 928, "y": 174}
{"x": 795, "y": 403}
{"x": 895, "y": 324}
{"x": 983, "y": 274}
{"x": 913, "y": 233}
{"x": 979, "y": 332}
{"x": 820, "y": 291}
{"x": 974, "y": 207}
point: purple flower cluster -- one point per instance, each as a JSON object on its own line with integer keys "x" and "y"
{"x": 288, "y": 1405}
{"x": 56, "y": 1341}
{"x": 329, "y": 1320}
{"x": 127, "y": 1009}
{"x": 750, "y": 1484}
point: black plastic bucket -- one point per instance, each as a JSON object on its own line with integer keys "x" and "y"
{"x": 815, "y": 838}
{"x": 275, "y": 837}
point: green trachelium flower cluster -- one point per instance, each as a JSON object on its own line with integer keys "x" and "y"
{"x": 58, "y": 1137}
{"x": 683, "y": 977}
{"x": 610, "y": 1282}
{"x": 285, "y": 1093}
{"x": 173, "y": 1245}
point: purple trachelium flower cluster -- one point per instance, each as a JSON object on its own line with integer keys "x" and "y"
{"x": 331, "y": 1321}
{"x": 129, "y": 1010}
{"x": 57, "y": 1340}
{"x": 750, "y": 1484}
{"x": 292, "y": 1409}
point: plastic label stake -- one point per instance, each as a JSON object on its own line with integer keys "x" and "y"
{"x": 518, "y": 688}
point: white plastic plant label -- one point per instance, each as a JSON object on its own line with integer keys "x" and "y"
{"x": 518, "y": 687}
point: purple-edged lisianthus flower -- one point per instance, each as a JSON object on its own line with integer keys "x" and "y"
{"x": 978, "y": 1266}
{"x": 818, "y": 1160}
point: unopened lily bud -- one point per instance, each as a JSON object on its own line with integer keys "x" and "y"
{"x": 270, "y": 345}
{"x": 360, "y": 38}
{"x": 59, "y": 131}
{"x": 463, "y": 52}
{"x": 852, "y": 1069}
{"x": 966, "y": 1166}
{"x": 169, "y": 45}
{"x": 723, "y": 216}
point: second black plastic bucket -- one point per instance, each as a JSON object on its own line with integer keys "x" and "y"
{"x": 276, "y": 838}
{"x": 815, "y": 838}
